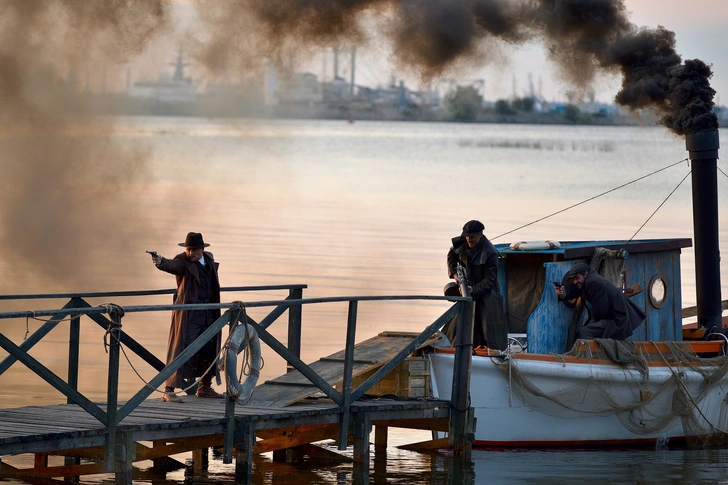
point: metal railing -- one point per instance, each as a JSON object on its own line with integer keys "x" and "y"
{"x": 109, "y": 317}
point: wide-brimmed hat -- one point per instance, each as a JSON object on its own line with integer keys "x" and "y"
{"x": 194, "y": 240}
{"x": 473, "y": 228}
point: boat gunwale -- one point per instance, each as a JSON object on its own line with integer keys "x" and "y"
{"x": 650, "y": 348}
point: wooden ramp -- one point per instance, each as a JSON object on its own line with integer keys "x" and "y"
{"x": 368, "y": 355}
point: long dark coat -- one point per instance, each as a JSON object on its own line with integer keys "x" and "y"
{"x": 607, "y": 302}
{"x": 188, "y": 287}
{"x": 481, "y": 264}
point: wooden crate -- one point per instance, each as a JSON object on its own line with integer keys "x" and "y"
{"x": 409, "y": 379}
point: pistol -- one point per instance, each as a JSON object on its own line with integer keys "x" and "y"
{"x": 555, "y": 283}
{"x": 153, "y": 253}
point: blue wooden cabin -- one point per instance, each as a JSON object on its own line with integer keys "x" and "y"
{"x": 526, "y": 277}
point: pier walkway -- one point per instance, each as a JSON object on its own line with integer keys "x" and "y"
{"x": 324, "y": 400}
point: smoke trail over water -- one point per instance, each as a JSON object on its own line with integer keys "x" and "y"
{"x": 583, "y": 37}
{"x": 67, "y": 186}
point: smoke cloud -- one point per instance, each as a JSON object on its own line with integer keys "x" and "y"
{"x": 582, "y": 37}
{"x": 68, "y": 187}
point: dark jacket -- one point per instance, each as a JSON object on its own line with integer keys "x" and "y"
{"x": 606, "y": 302}
{"x": 481, "y": 265}
{"x": 188, "y": 288}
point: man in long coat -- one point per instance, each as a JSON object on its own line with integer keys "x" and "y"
{"x": 197, "y": 282}
{"x": 479, "y": 258}
{"x": 612, "y": 314}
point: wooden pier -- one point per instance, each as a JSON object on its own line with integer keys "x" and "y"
{"x": 324, "y": 400}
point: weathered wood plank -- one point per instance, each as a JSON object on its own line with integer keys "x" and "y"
{"x": 368, "y": 355}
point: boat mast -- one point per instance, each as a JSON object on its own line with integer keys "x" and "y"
{"x": 703, "y": 149}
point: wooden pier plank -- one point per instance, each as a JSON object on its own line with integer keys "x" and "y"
{"x": 368, "y": 355}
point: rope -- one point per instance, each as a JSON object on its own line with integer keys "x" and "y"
{"x": 658, "y": 207}
{"x": 146, "y": 383}
{"x": 685, "y": 389}
{"x": 31, "y": 314}
{"x": 590, "y": 199}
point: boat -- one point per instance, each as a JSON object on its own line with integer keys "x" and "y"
{"x": 666, "y": 385}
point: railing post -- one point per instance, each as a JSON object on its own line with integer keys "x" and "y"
{"x": 74, "y": 342}
{"x": 113, "y": 334}
{"x": 460, "y": 401}
{"x": 74, "y": 339}
{"x": 348, "y": 370}
{"x": 229, "y": 442}
{"x": 294, "y": 326}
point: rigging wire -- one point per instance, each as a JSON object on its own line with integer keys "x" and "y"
{"x": 591, "y": 198}
{"x": 658, "y": 207}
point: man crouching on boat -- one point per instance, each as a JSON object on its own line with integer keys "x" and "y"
{"x": 612, "y": 314}
{"x": 480, "y": 259}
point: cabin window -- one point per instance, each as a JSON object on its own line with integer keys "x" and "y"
{"x": 658, "y": 291}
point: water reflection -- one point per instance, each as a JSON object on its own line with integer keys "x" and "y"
{"x": 519, "y": 467}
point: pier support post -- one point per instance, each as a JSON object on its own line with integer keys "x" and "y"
{"x": 244, "y": 455}
{"x": 74, "y": 343}
{"x": 460, "y": 433}
{"x": 381, "y": 435}
{"x": 112, "y": 391}
{"x": 348, "y": 369}
{"x": 362, "y": 430}
{"x": 125, "y": 456}
{"x": 200, "y": 460}
{"x": 229, "y": 430}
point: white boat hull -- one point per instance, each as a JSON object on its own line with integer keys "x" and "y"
{"x": 504, "y": 420}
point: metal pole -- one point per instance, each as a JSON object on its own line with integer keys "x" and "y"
{"x": 703, "y": 148}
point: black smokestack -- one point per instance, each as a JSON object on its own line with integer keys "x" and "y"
{"x": 68, "y": 186}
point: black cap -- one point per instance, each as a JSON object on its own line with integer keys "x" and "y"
{"x": 473, "y": 228}
{"x": 452, "y": 289}
{"x": 578, "y": 268}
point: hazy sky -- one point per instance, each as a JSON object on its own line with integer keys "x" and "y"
{"x": 701, "y": 31}
{"x": 701, "y": 28}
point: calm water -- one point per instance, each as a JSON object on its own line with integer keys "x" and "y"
{"x": 369, "y": 209}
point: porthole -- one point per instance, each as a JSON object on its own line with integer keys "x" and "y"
{"x": 658, "y": 291}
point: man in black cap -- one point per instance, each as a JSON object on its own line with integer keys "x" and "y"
{"x": 477, "y": 255}
{"x": 197, "y": 282}
{"x": 611, "y": 313}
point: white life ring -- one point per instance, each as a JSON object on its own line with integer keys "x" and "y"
{"x": 535, "y": 245}
{"x": 243, "y": 336}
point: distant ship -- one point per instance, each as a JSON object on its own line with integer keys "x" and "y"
{"x": 175, "y": 95}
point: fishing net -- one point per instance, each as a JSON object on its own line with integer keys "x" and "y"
{"x": 651, "y": 387}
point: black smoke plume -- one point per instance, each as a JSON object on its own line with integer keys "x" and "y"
{"x": 583, "y": 37}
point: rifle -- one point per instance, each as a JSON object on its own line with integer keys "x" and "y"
{"x": 462, "y": 280}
